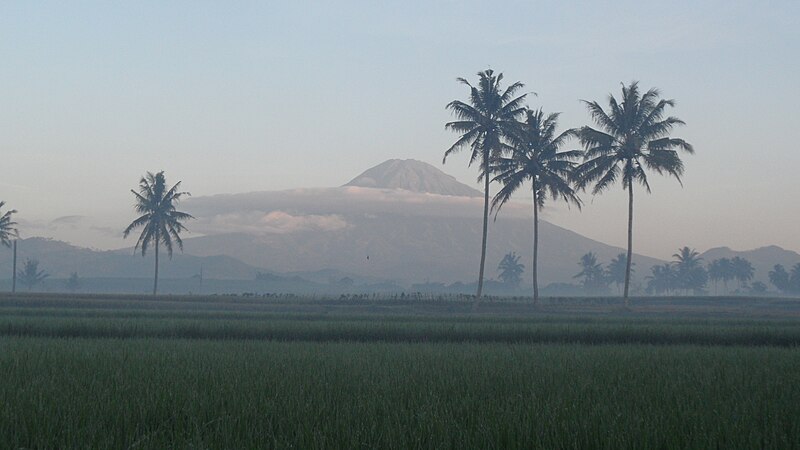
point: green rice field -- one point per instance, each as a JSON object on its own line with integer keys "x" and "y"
{"x": 241, "y": 372}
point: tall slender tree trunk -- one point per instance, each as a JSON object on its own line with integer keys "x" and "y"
{"x": 535, "y": 246}
{"x": 630, "y": 243}
{"x": 14, "y": 270}
{"x": 155, "y": 279}
{"x": 486, "y": 176}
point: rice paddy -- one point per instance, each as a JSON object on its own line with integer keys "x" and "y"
{"x": 103, "y": 372}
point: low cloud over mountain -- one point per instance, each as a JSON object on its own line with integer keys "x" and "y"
{"x": 416, "y": 232}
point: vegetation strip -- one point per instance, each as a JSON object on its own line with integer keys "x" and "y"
{"x": 404, "y": 331}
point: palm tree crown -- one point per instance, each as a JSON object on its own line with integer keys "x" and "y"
{"x": 159, "y": 220}
{"x": 687, "y": 259}
{"x": 633, "y": 137}
{"x": 536, "y": 157}
{"x": 483, "y": 124}
{"x": 8, "y": 227}
{"x": 489, "y": 117}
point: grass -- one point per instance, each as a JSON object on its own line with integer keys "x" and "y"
{"x": 90, "y": 375}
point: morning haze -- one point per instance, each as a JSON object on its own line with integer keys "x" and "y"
{"x": 268, "y": 97}
{"x": 399, "y": 225}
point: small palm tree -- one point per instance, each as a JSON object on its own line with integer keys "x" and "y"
{"x": 510, "y": 269}
{"x": 794, "y": 278}
{"x": 633, "y": 138}
{"x": 663, "y": 280}
{"x": 484, "y": 123}
{"x": 30, "y": 275}
{"x": 592, "y": 275}
{"x": 536, "y": 157}
{"x": 8, "y": 230}
{"x": 742, "y": 270}
{"x": 726, "y": 272}
{"x": 159, "y": 220}
{"x": 715, "y": 273}
{"x": 615, "y": 271}
{"x": 780, "y": 278}
{"x": 691, "y": 275}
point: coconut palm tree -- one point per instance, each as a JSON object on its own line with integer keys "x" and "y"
{"x": 794, "y": 279}
{"x": 780, "y": 278}
{"x": 8, "y": 230}
{"x": 30, "y": 275}
{"x": 592, "y": 275}
{"x": 510, "y": 269}
{"x": 663, "y": 279}
{"x": 483, "y": 124}
{"x": 715, "y": 272}
{"x": 159, "y": 220}
{"x": 691, "y": 275}
{"x": 726, "y": 272}
{"x": 615, "y": 270}
{"x": 633, "y": 137}
{"x": 742, "y": 271}
{"x": 536, "y": 157}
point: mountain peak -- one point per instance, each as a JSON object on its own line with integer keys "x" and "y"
{"x": 412, "y": 175}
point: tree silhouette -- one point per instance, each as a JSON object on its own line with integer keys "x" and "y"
{"x": 30, "y": 275}
{"x": 536, "y": 157}
{"x": 591, "y": 274}
{"x": 715, "y": 272}
{"x": 159, "y": 220}
{"x": 780, "y": 278}
{"x": 510, "y": 269}
{"x": 794, "y": 278}
{"x": 742, "y": 271}
{"x": 615, "y": 271}
{"x": 483, "y": 124}
{"x": 690, "y": 273}
{"x": 726, "y": 271}
{"x": 663, "y": 279}
{"x": 8, "y": 230}
{"x": 633, "y": 137}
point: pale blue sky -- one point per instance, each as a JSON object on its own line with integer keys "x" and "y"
{"x": 239, "y": 96}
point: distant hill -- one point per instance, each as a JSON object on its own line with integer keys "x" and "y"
{"x": 763, "y": 258}
{"x": 412, "y": 175}
{"x": 60, "y": 259}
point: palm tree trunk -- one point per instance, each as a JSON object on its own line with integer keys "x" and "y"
{"x": 155, "y": 279}
{"x": 14, "y": 270}
{"x": 485, "y": 226}
{"x": 630, "y": 242}
{"x": 535, "y": 246}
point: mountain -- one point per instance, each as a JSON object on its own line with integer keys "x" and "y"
{"x": 412, "y": 175}
{"x": 408, "y": 234}
{"x": 763, "y": 258}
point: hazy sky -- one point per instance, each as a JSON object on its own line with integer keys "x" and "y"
{"x": 237, "y": 96}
